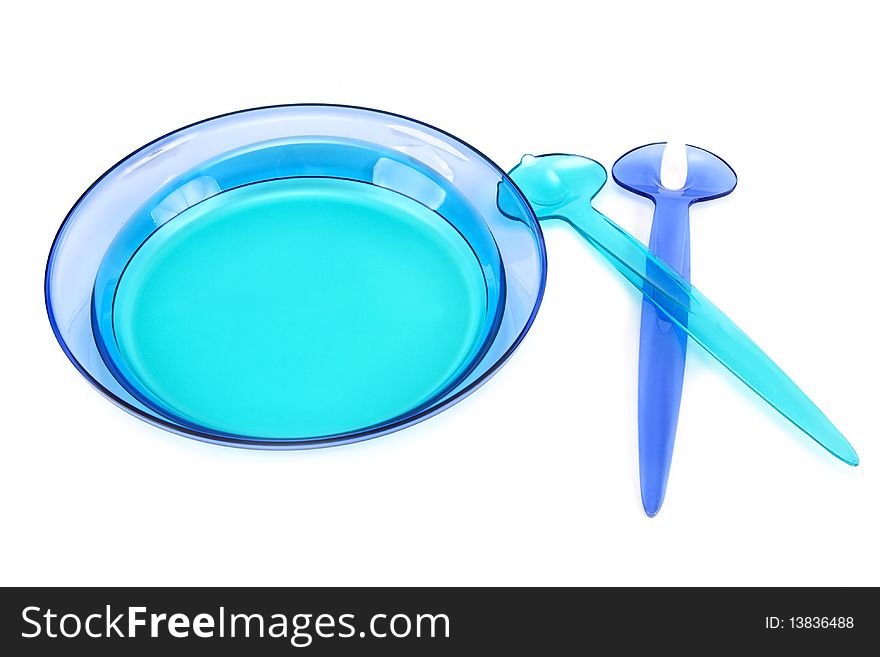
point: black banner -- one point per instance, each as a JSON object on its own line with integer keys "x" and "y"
{"x": 421, "y": 621}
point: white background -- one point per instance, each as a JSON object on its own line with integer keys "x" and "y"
{"x": 533, "y": 479}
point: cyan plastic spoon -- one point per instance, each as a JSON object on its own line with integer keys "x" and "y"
{"x": 699, "y": 176}
{"x": 563, "y": 186}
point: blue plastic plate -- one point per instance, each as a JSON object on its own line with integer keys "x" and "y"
{"x": 295, "y": 276}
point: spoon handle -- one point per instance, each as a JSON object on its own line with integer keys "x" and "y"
{"x": 691, "y": 311}
{"x": 662, "y": 354}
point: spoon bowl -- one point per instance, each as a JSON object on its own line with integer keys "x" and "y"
{"x": 708, "y": 176}
{"x": 552, "y": 182}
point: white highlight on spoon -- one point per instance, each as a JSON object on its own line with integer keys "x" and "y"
{"x": 674, "y": 165}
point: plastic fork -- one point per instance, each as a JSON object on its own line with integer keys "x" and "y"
{"x": 673, "y": 179}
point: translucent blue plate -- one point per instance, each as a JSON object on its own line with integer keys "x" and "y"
{"x": 295, "y": 276}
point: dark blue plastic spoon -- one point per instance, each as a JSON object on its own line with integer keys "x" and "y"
{"x": 663, "y": 346}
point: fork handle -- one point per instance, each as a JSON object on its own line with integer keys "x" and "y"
{"x": 662, "y": 353}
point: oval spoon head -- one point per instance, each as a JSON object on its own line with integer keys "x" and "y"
{"x": 551, "y": 182}
{"x": 708, "y": 176}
